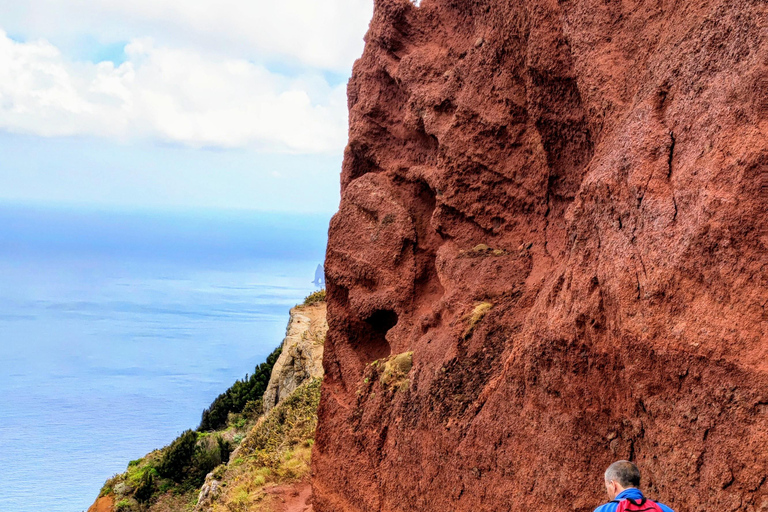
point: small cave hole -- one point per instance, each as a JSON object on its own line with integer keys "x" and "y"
{"x": 376, "y": 345}
{"x": 382, "y": 320}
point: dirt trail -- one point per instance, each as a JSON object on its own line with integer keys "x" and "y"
{"x": 103, "y": 504}
{"x": 292, "y": 497}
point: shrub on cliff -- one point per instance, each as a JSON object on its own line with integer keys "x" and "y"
{"x": 123, "y": 506}
{"x": 177, "y": 458}
{"x": 290, "y": 423}
{"x": 234, "y": 399}
{"x": 190, "y": 457}
{"x": 314, "y": 298}
{"x": 276, "y": 451}
{"x": 146, "y": 487}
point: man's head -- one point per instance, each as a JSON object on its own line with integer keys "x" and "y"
{"x": 619, "y": 476}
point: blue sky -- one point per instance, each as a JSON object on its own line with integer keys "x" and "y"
{"x": 176, "y": 104}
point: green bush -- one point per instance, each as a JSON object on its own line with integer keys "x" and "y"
{"x": 236, "y": 397}
{"x": 123, "y": 506}
{"x": 219, "y": 471}
{"x": 108, "y": 487}
{"x": 254, "y": 408}
{"x": 315, "y": 297}
{"x": 177, "y": 457}
{"x": 190, "y": 457}
{"x": 146, "y": 487}
{"x": 225, "y": 449}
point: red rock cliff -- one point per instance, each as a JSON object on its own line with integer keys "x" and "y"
{"x": 612, "y": 159}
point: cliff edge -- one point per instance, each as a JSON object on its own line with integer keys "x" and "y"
{"x": 550, "y": 253}
{"x": 245, "y": 455}
{"x": 301, "y": 358}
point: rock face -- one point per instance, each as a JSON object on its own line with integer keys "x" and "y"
{"x": 302, "y": 356}
{"x": 560, "y": 209}
{"x": 103, "y": 504}
{"x": 209, "y": 492}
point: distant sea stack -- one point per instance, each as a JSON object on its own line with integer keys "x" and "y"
{"x": 550, "y": 254}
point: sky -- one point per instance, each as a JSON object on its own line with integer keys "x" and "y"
{"x": 186, "y": 104}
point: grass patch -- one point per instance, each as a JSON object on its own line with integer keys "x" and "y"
{"x": 394, "y": 371}
{"x": 481, "y": 250}
{"x": 291, "y": 422}
{"x": 314, "y": 298}
{"x": 478, "y": 313}
{"x": 277, "y": 450}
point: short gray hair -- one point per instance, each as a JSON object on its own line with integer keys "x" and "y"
{"x": 623, "y": 472}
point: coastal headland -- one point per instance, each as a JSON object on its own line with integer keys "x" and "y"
{"x": 551, "y": 253}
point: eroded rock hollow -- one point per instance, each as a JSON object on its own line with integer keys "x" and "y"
{"x": 553, "y": 220}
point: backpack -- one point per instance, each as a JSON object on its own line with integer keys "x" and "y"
{"x": 644, "y": 505}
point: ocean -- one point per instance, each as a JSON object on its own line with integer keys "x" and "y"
{"x": 118, "y": 328}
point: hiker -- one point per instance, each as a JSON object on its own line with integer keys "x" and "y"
{"x": 621, "y": 481}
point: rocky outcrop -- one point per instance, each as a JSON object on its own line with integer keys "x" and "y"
{"x": 302, "y": 354}
{"x": 269, "y": 467}
{"x": 209, "y": 492}
{"x": 103, "y": 504}
{"x": 299, "y": 364}
{"x": 560, "y": 209}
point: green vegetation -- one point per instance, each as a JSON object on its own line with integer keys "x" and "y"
{"x": 190, "y": 457}
{"x": 179, "y": 468}
{"x": 123, "y": 506}
{"x": 395, "y": 370}
{"x": 277, "y": 451}
{"x": 176, "y": 473}
{"x": 292, "y": 422}
{"x": 315, "y": 297}
{"x": 177, "y": 457}
{"x": 477, "y": 314}
{"x": 146, "y": 486}
{"x": 275, "y": 448}
{"x": 237, "y": 397}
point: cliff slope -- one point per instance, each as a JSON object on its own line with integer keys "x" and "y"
{"x": 550, "y": 253}
{"x": 259, "y": 457}
{"x": 302, "y": 353}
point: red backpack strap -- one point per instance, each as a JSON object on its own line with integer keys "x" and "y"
{"x": 644, "y": 505}
{"x": 654, "y": 506}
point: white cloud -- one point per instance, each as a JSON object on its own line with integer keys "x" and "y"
{"x": 178, "y": 95}
{"x": 325, "y": 35}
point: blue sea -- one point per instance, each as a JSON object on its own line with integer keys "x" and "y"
{"x": 118, "y": 328}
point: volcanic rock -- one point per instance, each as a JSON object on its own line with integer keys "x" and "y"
{"x": 559, "y": 208}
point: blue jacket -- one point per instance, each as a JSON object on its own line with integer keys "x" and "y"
{"x": 633, "y": 493}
